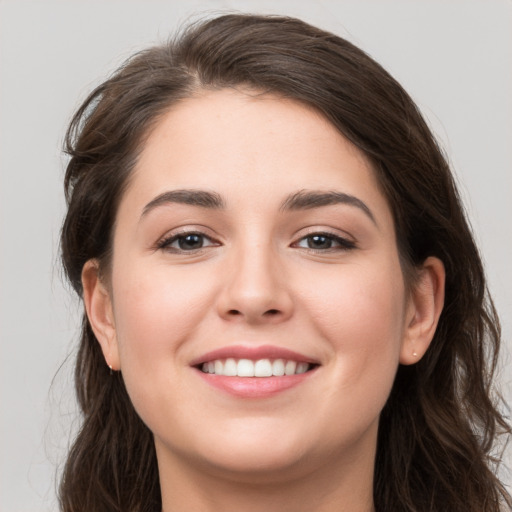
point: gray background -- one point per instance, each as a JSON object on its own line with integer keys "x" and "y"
{"x": 454, "y": 57}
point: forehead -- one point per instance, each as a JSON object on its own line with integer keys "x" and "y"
{"x": 225, "y": 120}
{"x": 250, "y": 147}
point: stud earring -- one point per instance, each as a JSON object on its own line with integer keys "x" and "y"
{"x": 415, "y": 354}
{"x": 110, "y": 366}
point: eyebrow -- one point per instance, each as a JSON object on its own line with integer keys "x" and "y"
{"x": 201, "y": 198}
{"x": 300, "y": 200}
{"x": 308, "y": 199}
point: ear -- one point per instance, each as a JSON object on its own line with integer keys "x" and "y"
{"x": 98, "y": 305}
{"x": 423, "y": 311}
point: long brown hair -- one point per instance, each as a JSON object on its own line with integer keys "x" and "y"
{"x": 438, "y": 430}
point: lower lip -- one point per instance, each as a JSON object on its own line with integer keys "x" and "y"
{"x": 254, "y": 387}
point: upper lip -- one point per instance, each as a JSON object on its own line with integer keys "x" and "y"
{"x": 254, "y": 353}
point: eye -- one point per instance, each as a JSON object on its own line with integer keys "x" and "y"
{"x": 324, "y": 242}
{"x": 186, "y": 242}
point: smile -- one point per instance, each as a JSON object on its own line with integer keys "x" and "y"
{"x": 248, "y": 371}
{"x": 259, "y": 368}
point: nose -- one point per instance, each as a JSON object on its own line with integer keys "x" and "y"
{"x": 255, "y": 289}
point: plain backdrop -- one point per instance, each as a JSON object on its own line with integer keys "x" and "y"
{"x": 453, "y": 56}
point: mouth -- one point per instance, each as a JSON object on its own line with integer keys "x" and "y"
{"x": 232, "y": 367}
{"x": 254, "y": 372}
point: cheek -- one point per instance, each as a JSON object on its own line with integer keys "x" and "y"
{"x": 361, "y": 316}
{"x": 359, "y": 307}
{"x": 155, "y": 311}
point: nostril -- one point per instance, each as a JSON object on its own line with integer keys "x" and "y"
{"x": 252, "y": 315}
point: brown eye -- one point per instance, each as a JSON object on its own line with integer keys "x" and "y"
{"x": 190, "y": 242}
{"x": 325, "y": 242}
{"x": 319, "y": 242}
{"x": 186, "y": 242}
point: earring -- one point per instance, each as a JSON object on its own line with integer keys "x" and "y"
{"x": 110, "y": 366}
{"x": 414, "y": 354}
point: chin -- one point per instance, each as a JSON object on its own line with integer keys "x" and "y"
{"x": 245, "y": 451}
{"x": 257, "y": 464}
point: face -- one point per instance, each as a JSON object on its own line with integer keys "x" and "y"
{"x": 253, "y": 239}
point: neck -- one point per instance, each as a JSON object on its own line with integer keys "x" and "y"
{"x": 340, "y": 487}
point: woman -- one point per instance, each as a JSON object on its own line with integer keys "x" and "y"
{"x": 285, "y": 307}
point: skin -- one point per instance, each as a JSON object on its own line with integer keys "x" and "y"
{"x": 256, "y": 282}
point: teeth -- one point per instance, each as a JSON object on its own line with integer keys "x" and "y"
{"x": 260, "y": 368}
{"x": 245, "y": 368}
{"x": 289, "y": 369}
{"x": 302, "y": 368}
{"x": 230, "y": 368}
{"x": 278, "y": 367}
{"x": 263, "y": 368}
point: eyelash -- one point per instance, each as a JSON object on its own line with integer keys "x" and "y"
{"x": 343, "y": 243}
{"x": 165, "y": 243}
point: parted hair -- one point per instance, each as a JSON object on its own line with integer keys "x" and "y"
{"x": 438, "y": 433}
